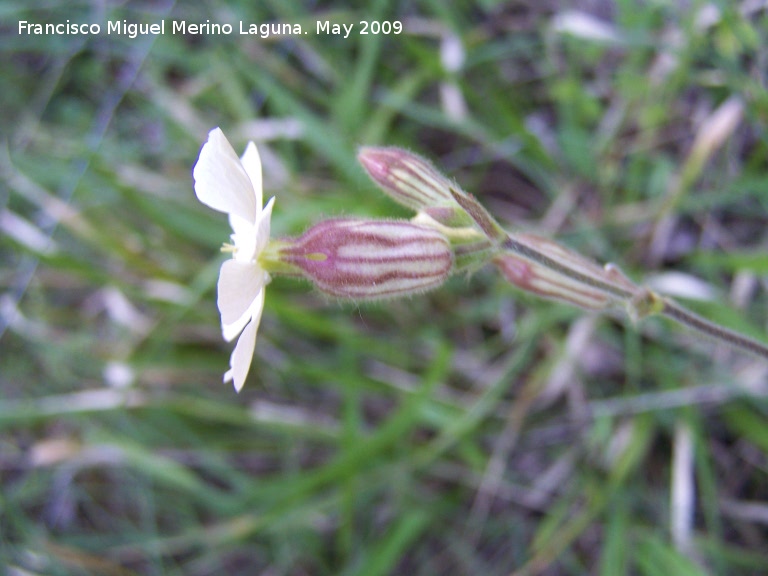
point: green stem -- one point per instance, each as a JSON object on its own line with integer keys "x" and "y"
{"x": 707, "y": 328}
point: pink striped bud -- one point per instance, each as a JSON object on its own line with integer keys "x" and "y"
{"x": 554, "y": 271}
{"x": 413, "y": 182}
{"x": 370, "y": 259}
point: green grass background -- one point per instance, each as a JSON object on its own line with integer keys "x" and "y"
{"x": 472, "y": 430}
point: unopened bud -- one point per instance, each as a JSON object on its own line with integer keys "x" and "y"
{"x": 554, "y": 271}
{"x": 413, "y": 182}
{"x": 370, "y": 259}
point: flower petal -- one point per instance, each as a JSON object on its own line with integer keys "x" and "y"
{"x": 221, "y": 182}
{"x": 263, "y": 225}
{"x": 244, "y": 238}
{"x": 240, "y": 361}
{"x": 239, "y": 285}
{"x": 252, "y": 164}
{"x": 230, "y": 331}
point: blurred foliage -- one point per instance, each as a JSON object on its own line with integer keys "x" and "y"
{"x": 471, "y": 430}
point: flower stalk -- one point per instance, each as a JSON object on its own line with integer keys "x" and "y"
{"x": 674, "y": 311}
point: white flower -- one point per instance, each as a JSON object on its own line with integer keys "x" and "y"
{"x": 233, "y": 185}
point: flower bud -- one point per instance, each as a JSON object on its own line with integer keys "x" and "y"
{"x": 566, "y": 276}
{"x": 370, "y": 259}
{"x": 413, "y": 182}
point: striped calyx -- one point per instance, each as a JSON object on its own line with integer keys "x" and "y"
{"x": 370, "y": 259}
{"x": 413, "y": 182}
{"x": 546, "y": 268}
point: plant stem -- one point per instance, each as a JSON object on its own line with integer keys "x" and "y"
{"x": 707, "y": 328}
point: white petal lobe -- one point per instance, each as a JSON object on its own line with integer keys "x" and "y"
{"x": 263, "y": 226}
{"x": 244, "y": 238}
{"x": 221, "y": 182}
{"x": 239, "y": 285}
{"x": 230, "y": 331}
{"x": 252, "y": 165}
{"x": 240, "y": 361}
